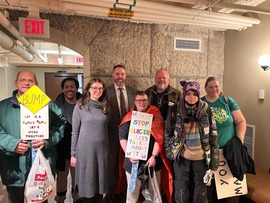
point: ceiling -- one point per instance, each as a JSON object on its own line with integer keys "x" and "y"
{"x": 55, "y": 56}
{"x": 213, "y": 14}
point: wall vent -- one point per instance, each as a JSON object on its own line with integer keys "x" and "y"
{"x": 184, "y": 44}
{"x": 250, "y": 140}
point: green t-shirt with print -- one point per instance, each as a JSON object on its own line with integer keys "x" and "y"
{"x": 223, "y": 117}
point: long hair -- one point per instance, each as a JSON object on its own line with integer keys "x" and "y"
{"x": 103, "y": 98}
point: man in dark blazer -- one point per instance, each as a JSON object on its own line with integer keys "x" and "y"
{"x": 113, "y": 91}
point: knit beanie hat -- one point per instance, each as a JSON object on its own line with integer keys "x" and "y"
{"x": 190, "y": 86}
{"x": 195, "y": 86}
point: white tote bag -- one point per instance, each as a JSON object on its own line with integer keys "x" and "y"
{"x": 40, "y": 184}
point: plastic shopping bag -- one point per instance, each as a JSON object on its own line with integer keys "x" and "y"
{"x": 156, "y": 196}
{"x": 40, "y": 184}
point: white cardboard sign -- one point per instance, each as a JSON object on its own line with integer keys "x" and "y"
{"x": 226, "y": 184}
{"x": 34, "y": 126}
{"x": 139, "y": 135}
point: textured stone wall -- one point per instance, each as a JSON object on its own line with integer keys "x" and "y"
{"x": 143, "y": 48}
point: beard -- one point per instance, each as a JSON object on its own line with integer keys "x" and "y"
{"x": 161, "y": 87}
{"x": 119, "y": 83}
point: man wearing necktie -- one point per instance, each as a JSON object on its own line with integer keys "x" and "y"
{"x": 121, "y": 98}
{"x": 123, "y": 108}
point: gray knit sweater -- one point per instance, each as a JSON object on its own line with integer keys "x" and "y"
{"x": 90, "y": 145}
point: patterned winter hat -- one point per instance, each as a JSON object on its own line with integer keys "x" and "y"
{"x": 186, "y": 87}
{"x": 190, "y": 86}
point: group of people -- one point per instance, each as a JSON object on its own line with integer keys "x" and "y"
{"x": 89, "y": 134}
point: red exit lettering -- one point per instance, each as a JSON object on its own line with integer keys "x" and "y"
{"x": 34, "y": 27}
{"x": 79, "y": 60}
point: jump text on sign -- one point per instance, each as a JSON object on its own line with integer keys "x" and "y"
{"x": 33, "y": 99}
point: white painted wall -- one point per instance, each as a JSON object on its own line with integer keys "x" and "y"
{"x": 7, "y": 78}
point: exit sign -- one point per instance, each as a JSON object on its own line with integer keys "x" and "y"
{"x": 79, "y": 59}
{"x": 34, "y": 28}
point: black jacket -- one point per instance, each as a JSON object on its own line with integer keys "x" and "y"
{"x": 170, "y": 98}
{"x": 64, "y": 146}
{"x": 238, "y": 159}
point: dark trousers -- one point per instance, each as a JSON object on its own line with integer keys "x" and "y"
{"x": 16, "y": 194}
{"x": 96, "y": 199}
{"x": 188, "y": 181}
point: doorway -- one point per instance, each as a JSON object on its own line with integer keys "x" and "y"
{"x": 53, "y": 82}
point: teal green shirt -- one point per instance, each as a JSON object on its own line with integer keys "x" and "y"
{"x": 223, "y": 118}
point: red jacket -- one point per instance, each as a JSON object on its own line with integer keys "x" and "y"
{"x": 157, "y": 132}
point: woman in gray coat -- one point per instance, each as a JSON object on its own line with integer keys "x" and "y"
{"x": 89, "y": 146}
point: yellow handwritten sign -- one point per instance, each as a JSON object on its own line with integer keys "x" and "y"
{"x": 34, "y": 99}
{"x": 120, "y": 13}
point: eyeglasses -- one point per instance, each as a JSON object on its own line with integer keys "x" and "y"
{"x": 24, "y": 81}
{"x": 101, "y": 89}
{"x": 141, "y": 101}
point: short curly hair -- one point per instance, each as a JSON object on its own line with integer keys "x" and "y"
{"x": 70, "y": 79}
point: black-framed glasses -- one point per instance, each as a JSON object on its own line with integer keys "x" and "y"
{"x": 100, "y": 89}
{"x": 141, "y": 101}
